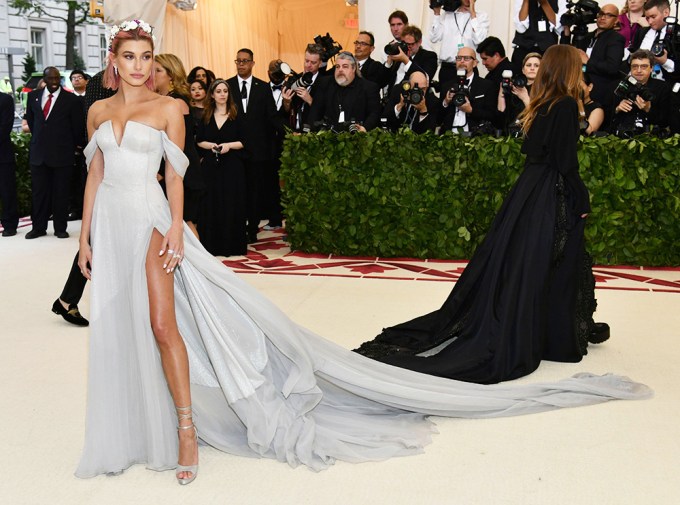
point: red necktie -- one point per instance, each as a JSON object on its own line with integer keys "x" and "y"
{"x": 46, "y": 108}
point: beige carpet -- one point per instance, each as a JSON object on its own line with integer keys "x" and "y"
{"x": 615, "y": 453}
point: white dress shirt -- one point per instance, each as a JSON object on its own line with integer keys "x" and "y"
{"x": 457, "y": 29}
{"x": 45, "y": 96}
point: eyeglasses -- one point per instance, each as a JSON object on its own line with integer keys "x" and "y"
{"x": 242, "y": 62}
{"x": 465, "y": 58}
{"x": 643, "y": 66}
{"x": 606, "y": 15}
{"x": 76, "y": 78}
{"x": 361, "y": 43}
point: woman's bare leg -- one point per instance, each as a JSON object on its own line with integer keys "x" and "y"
{"x": 170, "y": 344}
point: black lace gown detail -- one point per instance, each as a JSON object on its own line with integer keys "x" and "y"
{"x": 527, "y": 293}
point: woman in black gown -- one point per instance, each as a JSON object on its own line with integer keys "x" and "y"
{"x": 219, "y": 135}
{"x": 528, "y": 292}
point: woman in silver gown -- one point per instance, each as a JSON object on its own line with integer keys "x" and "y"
{"x": 174, "y": 332}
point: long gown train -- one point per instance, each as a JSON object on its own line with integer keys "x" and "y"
{"x": 261, "y": 385}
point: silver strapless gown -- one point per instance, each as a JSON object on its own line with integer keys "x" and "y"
{"x": 261, "y": 385}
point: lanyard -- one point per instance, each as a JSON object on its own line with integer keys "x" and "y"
{"x": 455, "y": 18}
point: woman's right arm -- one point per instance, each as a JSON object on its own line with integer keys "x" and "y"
{"x": 94, "y": 178}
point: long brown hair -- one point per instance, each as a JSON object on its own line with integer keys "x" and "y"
{"x": 209, "y": 108}
{"x": 175, "y": 70}
{"x": 558, "y": 76}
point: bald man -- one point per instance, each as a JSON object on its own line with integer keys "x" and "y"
{"x": 479, "y": 106}
{"x": 401, "y": 111}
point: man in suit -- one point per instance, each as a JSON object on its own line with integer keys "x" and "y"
{"x": 257, "y": 108}
{"x": 418, "y": 58}
{"x": 56, "y": 120}
{"x": 479, "y": 106}
{"x": 8, "y": 168}
{"x": 369, "y": 69}
{"x": 603, "y": 55}
{"x": 349, "y": 98}
{"x": 656, "y": 12}
{"x": 419, "y": 117}
{"x": 298, "y": 102}
{"x": 492, "y": 53}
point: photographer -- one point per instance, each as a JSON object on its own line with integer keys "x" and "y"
{"x": 645, "y": 103}
{"x": 492, "y": 53}
{"x": 459, "y": 25}
{"x": 537, "y": 26}
{"x": 412, "y": 104}
{"x": 653, "y": 38}
{"x": 349, "y": 102}
{"x": 372, "y": 70}
{"x": 603, "y": 55}
{"x": 402, "y": 64}
{"x": 298, "y": 102}
{"x": 513, "y": 97}
{"x": 469, "y": 102}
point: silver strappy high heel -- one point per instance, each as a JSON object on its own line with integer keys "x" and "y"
{"x": 183, "y": 414}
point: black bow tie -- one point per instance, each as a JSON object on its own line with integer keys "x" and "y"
{"x": 277, "y": 86}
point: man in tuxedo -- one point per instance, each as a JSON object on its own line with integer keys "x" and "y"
{"x": 8, "y": 168}
{"x": 603, "y": 55}
{"x": 349, "y": 98}
{"x": 370, "y": 69}
{"x": 418, "y": 58}
{"x": 257, "y": 108}
{"x": 492, "y": 53}
{"x": 298, "y": 102}
{"x": 537, "y": 26}
{"x": 419, "y": 117}
{"x": 56, "y": 120}
{"x": 656, "y": 12}
{"x": 479, "y": 106}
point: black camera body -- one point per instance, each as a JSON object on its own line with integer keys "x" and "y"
{"x": 412, "y": 94}
{"x": 581, "y": 13}
{"x": 392, "y": 49}
{"x": 330, "y": 47}
{"x": 671, "y": 41}
{"x": 460, "y": 90}
{"x": 630, "y": 89}
{"x": 509, "y": 80}
{"x": 346, "y": 126}
{"x": 447, "y": 5}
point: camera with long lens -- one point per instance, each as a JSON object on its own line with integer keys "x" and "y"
{"x": 392, "y": 49}
{"x": 508, "y": 81}
{"x": 296, "y": 81}
{"x": 460, "y": 90}
{"x": 412, "y": 94}
{"x": 330, "y": 47}
{"x": 447, "y": 5}
{"x": 579, "y": 15}
{"x": 630, "y": 89}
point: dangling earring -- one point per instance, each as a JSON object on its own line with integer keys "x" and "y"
{"x": 115, "y": 70}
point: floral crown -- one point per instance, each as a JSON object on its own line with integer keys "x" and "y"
{"x": 128, "y": 26}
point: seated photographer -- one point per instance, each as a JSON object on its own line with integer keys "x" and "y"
{"x": 458, "y": 25}
{"x": 298, "y": 99}
{"x": 413, "y": 105}
{"x": 603, "y": 54}
{"x": 349, "y": 102}
{"x": 593, "y": 111}
{"x": 513, "y": 95}
{"x": 469, "y": 101}
{"x": 654, "y": 38}
{"x": 492, "y": 53}
{"x": 409, "y": 56}
{"x": 643, "y": 101}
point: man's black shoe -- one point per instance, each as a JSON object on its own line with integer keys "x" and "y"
{"x": 8, "y": 233}
{"x": 599, "y": 333}
{"x": 72, "y": 315}
{"x": 35, "y": 234}
{"x": 61, "y": 234}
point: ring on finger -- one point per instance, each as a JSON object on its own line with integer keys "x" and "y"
{"x": 170, "y": 251}
{"x": 176, "y": 256}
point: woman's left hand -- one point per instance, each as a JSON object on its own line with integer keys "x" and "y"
{"x": 173, "y": 247}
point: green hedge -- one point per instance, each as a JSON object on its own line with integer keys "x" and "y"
{"x": 21, "y": 141}
{"x": 427, "y": 196}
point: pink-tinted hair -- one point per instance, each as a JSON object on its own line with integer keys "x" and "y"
{"x": 111, "y": 79}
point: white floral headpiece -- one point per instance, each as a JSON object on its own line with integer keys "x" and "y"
{"x": 127, "y": 26}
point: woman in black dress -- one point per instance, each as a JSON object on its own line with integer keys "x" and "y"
{"x": 219, "y": 135}
{"x": 171, "y": 80}
{"x": 528, "y": 292}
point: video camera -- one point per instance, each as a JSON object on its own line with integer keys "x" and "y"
{"x": 581, "y": 13}
{"x": 412, "y": 94}
{"x": 447, "y": 5}
{"x": 460, "y": 90}
{"x": 330, "y": 47}
{"x": 630, "y": 89}
{"x": 508, "y": 81}
{"x": 392, "y": 49}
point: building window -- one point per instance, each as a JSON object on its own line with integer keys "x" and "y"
{"x": 103, "y": 49}
{"x": 78, "y": 45}
{"x": 38, "y": 46}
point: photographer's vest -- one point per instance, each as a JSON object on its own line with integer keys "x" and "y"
{"x": 533, "y": 38}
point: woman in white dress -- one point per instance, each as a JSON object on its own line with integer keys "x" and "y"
{"x": 174, "y": 332}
